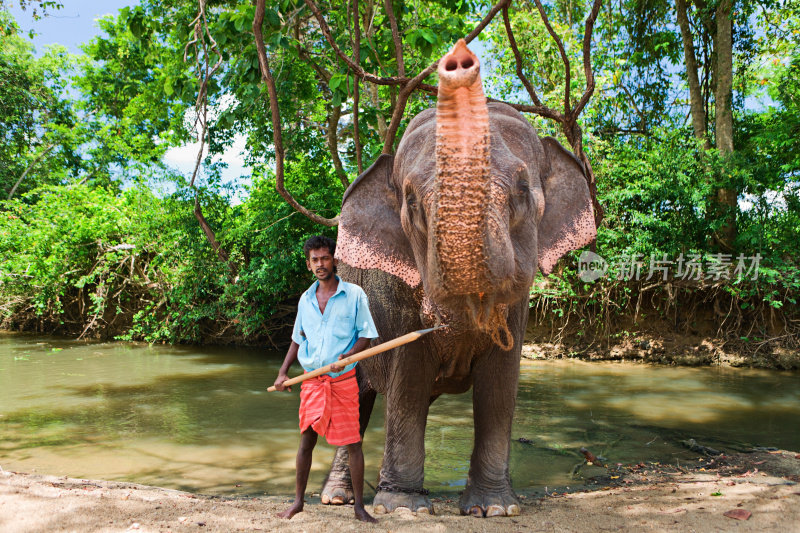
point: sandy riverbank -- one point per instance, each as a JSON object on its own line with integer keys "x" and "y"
{"x": 643, "y": 497}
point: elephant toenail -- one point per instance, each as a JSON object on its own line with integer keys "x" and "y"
{"x": 513, "y": 510}
{"x": 337, "y": 500}
{"x": 351, "y": 501}
{"x": 325, "y": 499}
{"x": 402, "y": 510}
{"x": 476, "y": 511}
{"x": 379, "y": 509}
{"x": 424, "y": 510}
{"x": 495, "y": 510}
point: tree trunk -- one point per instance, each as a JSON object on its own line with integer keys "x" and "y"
{"x": 695, "y": 95}
{"x": 723, "y": 74}
{"x": 211, "y": 236}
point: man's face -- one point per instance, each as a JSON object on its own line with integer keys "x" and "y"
{"x": 321, "y": 263}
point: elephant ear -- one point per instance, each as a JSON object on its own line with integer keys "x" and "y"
{"x": 568, "y": 220}
{"x": 370, "y": 233}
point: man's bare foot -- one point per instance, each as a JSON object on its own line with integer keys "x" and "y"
{"x": 291, "y": 511}
{"x": 363, "y": 515}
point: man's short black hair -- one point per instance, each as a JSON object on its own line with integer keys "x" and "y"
{"x": 319, "y": 241}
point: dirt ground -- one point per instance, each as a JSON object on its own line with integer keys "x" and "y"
{"x": 757, "y": 492}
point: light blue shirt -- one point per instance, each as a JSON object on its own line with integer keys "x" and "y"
{"x": 323, "y": 337}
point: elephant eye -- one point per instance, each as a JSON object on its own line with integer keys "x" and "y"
{"x": 520, "y": 201}
{"x": 415, "y": 212}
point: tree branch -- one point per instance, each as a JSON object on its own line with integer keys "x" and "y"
{"x": 202, "y": 37}
{"x": 28, "y": 169}
{"x": 269, "y": 81}
{"x": 587, "y": 57}
{"x": 209, "y": 232}
{"x": 521, "y": 75}
{"x": 569, "y": 120}
{"x": 543, "y": 111}
{"x": 356, "y": 85}
{"x": 562, "y": 51}
{"x": 486, "y": 20}
{"x": 398, "y": 44}
{"x": 354, "y": 68}
{"x": 333, "y": 143}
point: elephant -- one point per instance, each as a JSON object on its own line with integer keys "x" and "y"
{"x": 451, "y": 230}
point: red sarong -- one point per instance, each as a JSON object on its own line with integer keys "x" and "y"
{"x": 330, "y": 407}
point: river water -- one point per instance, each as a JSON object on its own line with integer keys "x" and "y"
{"x": 200, "y": 419}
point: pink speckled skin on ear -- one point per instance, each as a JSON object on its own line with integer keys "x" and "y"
{"x": 577, "y": 235}
{"x": 568, "y": 220}
{"x": 370, "y": 234}
{"x": 364, "y": 253}
{"x": 452, "y": 230}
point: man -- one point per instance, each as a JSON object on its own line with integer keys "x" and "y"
{"x": 333, "y": 322}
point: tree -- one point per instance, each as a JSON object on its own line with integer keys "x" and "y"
{"x": 35, "y": 115}
{"x": 714, "y": 29}
{"x": 407, "y": 86}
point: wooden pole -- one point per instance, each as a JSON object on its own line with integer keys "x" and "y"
{"x": 369, "y": 352}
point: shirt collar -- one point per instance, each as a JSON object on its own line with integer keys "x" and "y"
{"x": 312, "y": 291}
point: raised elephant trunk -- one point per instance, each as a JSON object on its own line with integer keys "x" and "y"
{"x": 463, "y": 171}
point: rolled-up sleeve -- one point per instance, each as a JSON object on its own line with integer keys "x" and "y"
{"x": 364, "y": 323}
{"x": 297, "y": 333}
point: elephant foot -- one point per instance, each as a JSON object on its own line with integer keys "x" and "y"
{"x": 485, "y": 503}
{"x": 337, "y": 493}
{"x": 389, "y": 501}
{"x": 338, "y": 488}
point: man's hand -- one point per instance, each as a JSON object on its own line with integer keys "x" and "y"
{"x": 283, "y": 373}
{"x": 279, "y": 382}
{"x": 361, "y": 344}
{"x": 338, "y": 368}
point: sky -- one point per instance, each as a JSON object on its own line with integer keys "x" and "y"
{"x": 73, "y": 25}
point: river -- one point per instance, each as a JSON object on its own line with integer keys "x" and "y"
{"x": 200, "y": 419}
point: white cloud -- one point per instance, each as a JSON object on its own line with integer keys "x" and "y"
{"x": 183, "y": 158}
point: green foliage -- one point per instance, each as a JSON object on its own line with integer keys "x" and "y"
{"x": 86, "y": 246}
{"x": 51, "y": 239}
{"x": 39, "y": 8}
{"x": 139, "y": 266}
{"x": 34, "y": 116}
{"x": 657, "y": 194}
{"x": 654, "y": 191}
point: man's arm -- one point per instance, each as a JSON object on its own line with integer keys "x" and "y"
{"x": 283, "y": 373}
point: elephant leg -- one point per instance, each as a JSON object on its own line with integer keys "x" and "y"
{"x": 338, "y": 487}
{"x": 403, "y": 470}
{"x": 488, "y": 491}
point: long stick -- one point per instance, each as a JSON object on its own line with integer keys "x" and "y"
{"x": 369, "y": 352}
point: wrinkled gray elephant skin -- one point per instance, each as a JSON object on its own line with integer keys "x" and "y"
{"x": 451, "y": 230}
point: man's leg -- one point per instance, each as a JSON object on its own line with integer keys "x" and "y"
{"x": 308, "y": 439}
{"x": 357, "y": 477}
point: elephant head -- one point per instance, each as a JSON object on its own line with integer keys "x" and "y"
{"x": 472, "y": 202}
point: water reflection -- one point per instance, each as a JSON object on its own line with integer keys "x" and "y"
{"x": 200, "y": 419}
